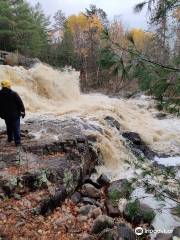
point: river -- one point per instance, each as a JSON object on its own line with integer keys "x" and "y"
{"x": 53, "y": 94}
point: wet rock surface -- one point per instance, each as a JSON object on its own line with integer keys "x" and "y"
{"x": 76, "y": 197}
{"x": 137, "y": 212}
{"x": 89, "y": 190}
{"x": 125, "y": 232}
{"x": 138, "y": 146}
{"x": 161, "y": 115}
{"x": 103, "y": 180}
{"x": 119, "y": 189}
{"x": 109, "y": 234}
{"x": 86, "y": 210}
{"x": 45, "y": 163}
{"x": 112, "y": 209}
{"x": 113, "y": 122}
{"x": 46, "y": 189}
{"x": 102, "y": 222}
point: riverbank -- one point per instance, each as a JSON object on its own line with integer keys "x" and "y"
{"x": 68, "y": 140}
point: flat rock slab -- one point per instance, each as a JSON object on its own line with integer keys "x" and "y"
{"x": 54, "y": 155}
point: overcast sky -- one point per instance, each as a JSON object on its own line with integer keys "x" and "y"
{"x": 124, "y": 8}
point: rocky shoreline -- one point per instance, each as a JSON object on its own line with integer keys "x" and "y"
{"x": 46, "y": 190}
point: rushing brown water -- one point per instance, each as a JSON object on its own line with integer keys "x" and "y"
{"x": 48, "y": 91}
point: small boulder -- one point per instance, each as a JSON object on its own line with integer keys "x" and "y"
{"x": 76, "y": 197}
{"x": 90, "y": 181}
{"x": 102, "y": 222}
{"x": 91, "y": 201}
{"x": 82, "y": 218}
{"x": 103, "y": 180}
{"x": 87, "y": 200}
{"x": 125, "y": 232}
{"x": 137, "y": 212}
{"x": 112, "y": 209}
{"x": 109, "y": 234}
{"x": 96, "y": 212}
{"x": 113, "y": 122}
{"x": 89, "y": 190}
{"x": 119, "y": 189}
{"x": 86, "y": 210}
{"x": 161, "y": 115}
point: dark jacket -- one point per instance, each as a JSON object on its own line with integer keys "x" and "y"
{"x": 11, "y": 105}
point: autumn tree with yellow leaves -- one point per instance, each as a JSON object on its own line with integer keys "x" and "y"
{"x": 141, "y": 39}
{"x": 86, "y": 29}
{"x": 112, "y": 58}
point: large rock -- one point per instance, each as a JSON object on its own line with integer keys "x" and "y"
{"x": 58, "y": 160}
{"x": 89, "y": 190}
{"x": 137, "y": 212}
{"x": 102, "y": 222}
{"x": 119, "y": 189}
{"x": 138, "y": 146}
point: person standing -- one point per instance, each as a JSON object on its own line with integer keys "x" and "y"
{"x": 11, "y": 109}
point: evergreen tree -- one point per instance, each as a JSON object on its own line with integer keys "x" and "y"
{"x": 22, "y": 28}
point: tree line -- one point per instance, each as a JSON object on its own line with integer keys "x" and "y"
{"x": 109, "y": 56}
{"x": 23, "y": 28}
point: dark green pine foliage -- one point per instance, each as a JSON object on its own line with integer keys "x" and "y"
{"x": 160, "y": 8}
{"x": 23, "y": 28}
{"x": 7, "y": 24}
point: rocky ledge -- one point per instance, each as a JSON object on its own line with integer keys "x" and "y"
{"x": 46, "y": 191}
{"x": 59, "y": 166}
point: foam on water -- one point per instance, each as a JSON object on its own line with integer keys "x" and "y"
{"x": 52, "y": 92}
{"x": 170, "y": 161}
{"x": 49, "y": 93}
{"x": 164, "y": 220}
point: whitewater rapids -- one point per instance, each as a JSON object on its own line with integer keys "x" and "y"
{"x": 53, "y": 94}
{"x": 50, "y": 92}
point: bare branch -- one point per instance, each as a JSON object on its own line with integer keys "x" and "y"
{"x": 138, "y": 8}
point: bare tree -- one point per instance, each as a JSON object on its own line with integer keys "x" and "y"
{"x": 59, "y": 19}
